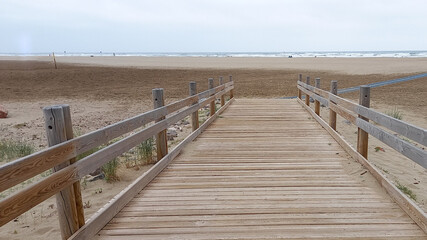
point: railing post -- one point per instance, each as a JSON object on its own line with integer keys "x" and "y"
{"x": 194, "y": 115}
{"x": 212, "y": 104}
{"x": 307, "y": 97}
{"x": 231, "y": 91}
{"x": 299, "y": 91}
{"x": 317, "y": 103}
{"x": 161, "y": 139}
{"x": 362, "y": 136}
{"x": 65, "y": 199}
{"x": 221, "y": 82}
{"x": 333, "y": 114}
{"x": 76, "y": 185}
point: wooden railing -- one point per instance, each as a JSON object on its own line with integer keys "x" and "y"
{"x": 63, "y": 150}
{"x": 360, "y": 115}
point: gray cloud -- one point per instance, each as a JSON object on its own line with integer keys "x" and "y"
{"x": 190, "y": 25}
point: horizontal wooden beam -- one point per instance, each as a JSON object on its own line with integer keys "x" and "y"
{"x": 343, "y": 112}
{"x": 24, "y": 168}
{"x": 20, "y": 202}
{"x": 414, "y": 153}
{"x": 105, "y": 214}
{"x": 407, "y": 130}
{"x": 415, "y": 212}
{"x": 324, "y": 101}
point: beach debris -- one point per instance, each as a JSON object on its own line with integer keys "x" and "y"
{"x": 364, "y": 173}
{"x": 377, "y": 149}
{"x": 416, "y": 181}
{"x": 87, "y": 204}
{"x": 172, "y": 133}
{"x": 184, "y": 122}
{"x": 97, "y": 177}
{"x": 3, "y": 112}
{"x": 96, "y": 172}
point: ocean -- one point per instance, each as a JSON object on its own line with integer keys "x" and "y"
{"x": 331, "y": 54}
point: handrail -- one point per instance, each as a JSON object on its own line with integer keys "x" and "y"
{"x": 360, "y": 115}
{"x": 350, "y": 112}
{"x": 29, "y": 166}
{"x": 24, "y": 168}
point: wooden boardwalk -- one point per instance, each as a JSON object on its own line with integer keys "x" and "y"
{"x": 264, "y": 169}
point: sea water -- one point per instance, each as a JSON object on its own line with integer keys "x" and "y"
{"x": 331, "y": 54}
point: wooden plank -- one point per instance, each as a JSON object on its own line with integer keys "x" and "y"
{"x": 362, "y": 136}
{"x": 332, "y": 113}
{"x": 313, "y": 89}
{"x": 194, "y": 115}
{"x": 288, "y": 234}
{"x": 410, "y": 151}
{"x": 299, "y": 90}
{"x": 161, "y": 138}
{"x": 231, "y": 91}
{"x": 38, "y": 192}
{"x": 324, "y": 101}
{"x": 211, "y": 104}
{"x": 383, "y": 217}
{"x": 415, "y": 212}
{"x": 405, "y": 129}
{"x": 307, "y": 96}
{"x": 343, "y": 112}
{"x": 76, "y": 186}
{"x": 56, "y": 133}
{"x": 316, "y": 102}
{"x": 105, "y": 214}
{"x": 24, "y": 168}
{"x": 221, "y": 82}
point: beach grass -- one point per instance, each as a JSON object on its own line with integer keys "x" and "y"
{"x": 395, "y": 113}
{"x": 10, "y": 150}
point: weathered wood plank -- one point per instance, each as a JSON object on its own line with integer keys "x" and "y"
{"x": 414, "y": 153}
{"x": 416, "y": 213}
{"x": 18, "y": 203}
{"x": 103, "y": 216}
{"x": 405, "y": 129}
{"x": 19, "y": 170}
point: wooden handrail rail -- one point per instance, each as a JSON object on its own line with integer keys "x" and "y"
{"x": 27, "y": 167}
{"x": 405, "y": 129}
{"x": 24, "y": 168}
{"x": 350, "y": 110}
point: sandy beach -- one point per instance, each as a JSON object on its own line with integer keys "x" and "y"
{"x": 104, "y": 90}
{"x": 353, "y": 65}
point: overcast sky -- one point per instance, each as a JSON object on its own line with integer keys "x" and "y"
{"x": 32, "y": 26}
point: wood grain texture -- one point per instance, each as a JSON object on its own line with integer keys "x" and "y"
{"x": 211, "y": 104}
{"x": 76, "y": 186}
{"x": 22, "y": 201}
{"x": 17, "y": 171}
{"x": 316, "y": 102}
{"x": 363, "y": 136}
{"x": 103, "y": 216}
{"x": 194, "y": 115}
{"x": 221, "y": 82}
{"x": 56, "y": 133}
{"x": 307, "y": 95}
{"x": 413, "y": 211}
{"x": 161, "y": 138}
{"x": 250, "y": 175}
{"x": 332, "y": 113}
